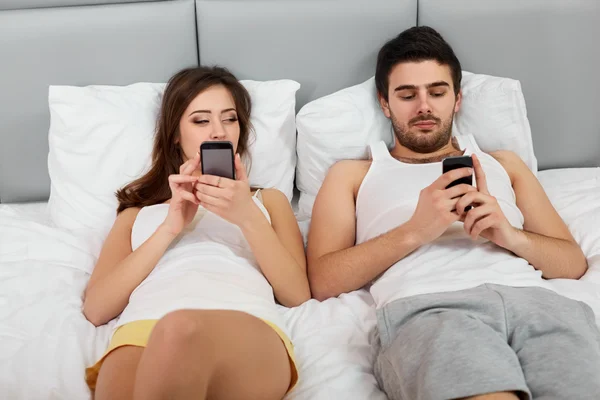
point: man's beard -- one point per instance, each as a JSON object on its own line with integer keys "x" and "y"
{"x": 423, "y": 143}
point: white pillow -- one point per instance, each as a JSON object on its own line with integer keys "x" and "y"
{"x": 493, "y": 111}
{"x": 101, "y": 139}
{"x": 342, "y": 125}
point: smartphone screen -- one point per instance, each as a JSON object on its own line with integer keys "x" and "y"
{"x": 217, "y": 159}
{"x": 450, "y": 163}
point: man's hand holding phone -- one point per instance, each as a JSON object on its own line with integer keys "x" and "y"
{"x": 436, "y": 209}
{"x": 486, "y": 219}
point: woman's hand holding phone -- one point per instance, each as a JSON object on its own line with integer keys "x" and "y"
{"x": 183, "y": 205}
{"x": 230, "y": 199}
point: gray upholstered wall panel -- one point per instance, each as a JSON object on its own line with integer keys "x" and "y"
{"x": 325, "y": 45}
{"x": 551, "y": 46}
{"x": 25, "y": 4}
{"x": 105, "y": 44}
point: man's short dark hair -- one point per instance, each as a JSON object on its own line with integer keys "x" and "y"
{"x": 416, "y": 44}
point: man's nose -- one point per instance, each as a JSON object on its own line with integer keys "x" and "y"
{"x": 424, "y": 107}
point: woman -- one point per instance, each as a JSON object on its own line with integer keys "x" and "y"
{"x": 193, "y": 263}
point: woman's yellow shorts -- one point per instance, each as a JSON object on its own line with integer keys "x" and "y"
{"x": 137, "y": 333}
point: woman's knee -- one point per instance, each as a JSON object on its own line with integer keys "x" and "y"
{"x": 179, "y": 332}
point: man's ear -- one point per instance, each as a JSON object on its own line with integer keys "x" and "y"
{"x": 385, "y": 106}
{"x": 458, "y": 101}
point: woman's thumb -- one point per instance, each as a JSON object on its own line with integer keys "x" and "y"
{"x": 240, "y": 169}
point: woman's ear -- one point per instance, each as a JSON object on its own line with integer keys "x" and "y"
{"x": 385, "y": 107}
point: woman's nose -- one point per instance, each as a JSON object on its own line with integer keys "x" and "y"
{"x": 218, "y": 131}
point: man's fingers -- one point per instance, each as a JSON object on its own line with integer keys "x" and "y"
{"x": 459, "y": 190}
{"x": 474, "y": 215}
{"x": 480, "y": 178}
{"x": 471, "y": 198}
{"x": 481, "y": 225}
{"x": 445, "y": 179}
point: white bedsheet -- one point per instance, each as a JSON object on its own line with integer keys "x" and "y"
{"x": 45, "y": 342}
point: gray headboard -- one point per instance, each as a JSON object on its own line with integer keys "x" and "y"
{"x": 112, "y": 44}
{"x": 323, "y": 44}
{"x": 551, "y": 46}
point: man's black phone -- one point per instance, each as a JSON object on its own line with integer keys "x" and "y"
{"x": 450, "y": 163}
{"x": 217, "y": 159}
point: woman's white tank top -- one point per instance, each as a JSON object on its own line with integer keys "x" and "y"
{"x": 208, "y": 266}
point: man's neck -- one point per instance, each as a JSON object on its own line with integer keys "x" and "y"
{"x": 406, "y": 155}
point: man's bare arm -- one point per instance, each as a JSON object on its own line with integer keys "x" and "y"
{"x": 335, "y": 264}
{"x": 545, "y": 240}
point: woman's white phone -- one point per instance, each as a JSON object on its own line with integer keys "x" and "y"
{"x": 216, "y": 158}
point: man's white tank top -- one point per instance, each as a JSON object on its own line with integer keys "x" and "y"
{"x": 208, "y": 266}
{"x": 388, "y": 197}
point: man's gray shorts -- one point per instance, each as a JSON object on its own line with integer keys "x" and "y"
{"x": 488, "y": 339}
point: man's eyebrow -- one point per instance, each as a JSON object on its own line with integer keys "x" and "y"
{"x": 210, "y": 112}
{"x": 436, "y": 84}
{"x": 405, "y": 87}
{"x": 428, "y": 86}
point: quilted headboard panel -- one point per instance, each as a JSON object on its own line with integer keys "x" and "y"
{"x": 25, "y": 4}
{"x": 551, "y": 46}
{"x": 97, "y": 44}
{"x": 325, "y": 45}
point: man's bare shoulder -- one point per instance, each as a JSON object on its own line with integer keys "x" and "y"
{"x": 512, "y": 163}
{"x": 347, "y": 175}
{"x": 505, "y": 156}
{"x": 351, "y": 172}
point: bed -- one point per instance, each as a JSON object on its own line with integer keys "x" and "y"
{"x": 325, "y": 45}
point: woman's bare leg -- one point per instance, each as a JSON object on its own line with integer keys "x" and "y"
{"x": 117, "y": 374}
{"x": 213, "y": 354}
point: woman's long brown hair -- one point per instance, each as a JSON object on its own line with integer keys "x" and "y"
{"x": 167, "y": 156}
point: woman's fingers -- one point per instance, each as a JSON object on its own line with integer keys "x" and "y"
{"x": 187, "y": 196}
{"x": 183, "y": 179}
{"x": 190, "y": 165}
{"x": 210, "y": 200}
{"x": 178, "y": 181}
{"x": 210, "y": 190}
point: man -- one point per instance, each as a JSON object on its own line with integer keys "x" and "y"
{"x": 462, "y": 305}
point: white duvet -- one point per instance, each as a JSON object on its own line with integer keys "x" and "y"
{"x": 46, "y": 343}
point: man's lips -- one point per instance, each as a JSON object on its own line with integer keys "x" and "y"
{"x": 425, "y": 124}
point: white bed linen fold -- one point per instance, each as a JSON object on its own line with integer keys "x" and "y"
{"x": 45, "y": 342}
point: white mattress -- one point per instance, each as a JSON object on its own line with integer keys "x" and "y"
{"x": 45, "y": 342}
